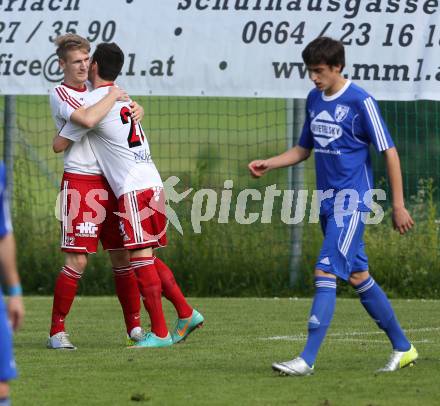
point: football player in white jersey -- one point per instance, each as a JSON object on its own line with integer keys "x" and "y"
{"x": 122, "y": 151}
{"x": 86, "y": 197}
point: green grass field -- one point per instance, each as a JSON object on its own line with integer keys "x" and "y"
{"x": 227, "y": 362}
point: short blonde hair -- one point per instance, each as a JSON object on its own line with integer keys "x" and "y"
{"x": 69, "y": 42}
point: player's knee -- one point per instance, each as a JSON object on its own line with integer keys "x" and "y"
{"x": 119, "y": 258}
{"x": 319, "y": 272}
{"x": 4, "y": 390}
{"x": 357, "y": 278}
{"x": 78, "y": 262}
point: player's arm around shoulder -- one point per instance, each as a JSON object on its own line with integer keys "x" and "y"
{"x": 137, "y": 112}
{"x": 402, "y": 220}
{"x": 89, "y": 117}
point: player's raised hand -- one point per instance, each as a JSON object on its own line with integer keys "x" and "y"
{"x": 402, "y": 220}
{"x": 137, "y": 112}
{"x": 258, "y": 168}
{"x": 118, "y": 93}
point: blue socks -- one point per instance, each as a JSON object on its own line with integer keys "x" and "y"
{"x": 321, "y": 315}
{"x": 379, "y": 308}
{"x": 5, "y": 402}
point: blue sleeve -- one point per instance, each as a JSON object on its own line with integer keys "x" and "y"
{"x": 5, "y": 215}
{"x": 373, "y": 126}
{"x": 306, "y": 138}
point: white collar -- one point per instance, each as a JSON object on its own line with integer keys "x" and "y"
{"x": 338, "y": 93}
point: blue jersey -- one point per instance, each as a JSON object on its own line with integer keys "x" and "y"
{"x": 7, "y": 363}
{"x": 5, "y": 216}
{"x": 341, "y": 128}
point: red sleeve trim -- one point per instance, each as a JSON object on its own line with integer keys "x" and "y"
{"x": 64, "y": 96}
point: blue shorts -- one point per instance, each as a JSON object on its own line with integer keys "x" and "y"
{"x": 343, "y": 250}
{"x": 7, "y": 363}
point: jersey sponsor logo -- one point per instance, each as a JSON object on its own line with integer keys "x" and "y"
{"x": 142, "y": 156}
{"x": 86, "y": 229}
{"x": 324, "y": 129}
{"x": 341, "y": 112}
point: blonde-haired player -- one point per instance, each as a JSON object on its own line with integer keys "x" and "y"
{"x": 122, "y": 151}
{"x": 87, "y": 200}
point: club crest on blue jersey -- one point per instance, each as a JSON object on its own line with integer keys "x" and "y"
{"x": 341, "y": 112}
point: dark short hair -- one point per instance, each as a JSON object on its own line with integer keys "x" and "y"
{"x": 110, "y": 60}
{"x": 324, "y": 50}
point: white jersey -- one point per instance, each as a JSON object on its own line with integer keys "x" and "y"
{"x": 120, "y": 147}
{"x": 78, "y": 157}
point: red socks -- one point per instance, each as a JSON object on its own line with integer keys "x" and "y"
{"x": 64, "y": 294}
{"x": 151, "y": 291}
{"x": 150, "y": 278}
{"x": 126, "y": 287}
{"x": 171, "y": 289}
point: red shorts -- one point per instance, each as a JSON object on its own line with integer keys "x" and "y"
{"x": 143, "y": 221}
{"x": 87, "y": 214}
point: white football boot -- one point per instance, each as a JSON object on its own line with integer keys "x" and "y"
{"x": 295, "y": 367}
{"x": 60, "y": 341}
{"x": 400, "y": 359}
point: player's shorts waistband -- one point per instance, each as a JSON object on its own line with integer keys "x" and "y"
{"x": 85, "y": 178}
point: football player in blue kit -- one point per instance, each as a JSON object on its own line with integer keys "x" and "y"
{"x": 342, "y": 120}
{"x": 11, "y": 315}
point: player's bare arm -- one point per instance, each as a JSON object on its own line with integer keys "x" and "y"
{"x": 402, "y": 220}
{"x": 292, "y": 156}
{"x": 60, "y": 144}
{"x": 89, "y": 117}
{"x": 9, "y": 267}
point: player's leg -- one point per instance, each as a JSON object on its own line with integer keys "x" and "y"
{"x": 66, "y": 286}
{"x": 188, "y": 318}
{"x": 323, "y": 304}
{"x": 320, "y": 317}
{"x": 127, "y": 290}
{"x": 143, "y": 228}
{"x": 4, "y": 394}
{"x": 7, "y": 363}
{"x": 334, "y": 260}
{"x": 150, "y": 287}
{"x": 376, "y": 303}
{"x": 321, "y": 314}
{"x": 126, "y": 286}
{"x": 171, "y": 289}
{"x": 79, "y": 237}
{"x": 342, "y": 234}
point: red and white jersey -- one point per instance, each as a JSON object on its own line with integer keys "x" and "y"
{"x": 78, "y": 157}
{"x": 120, "y": 147}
